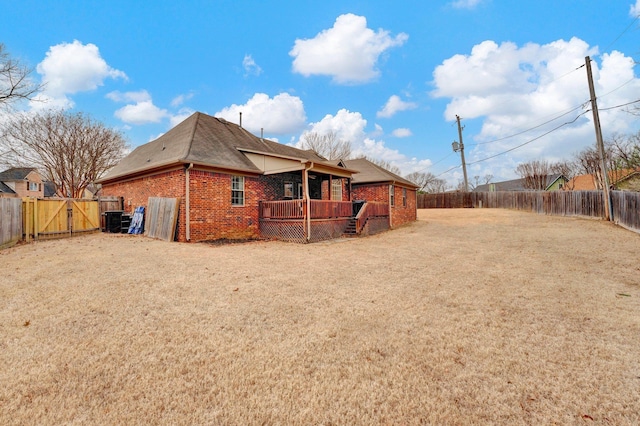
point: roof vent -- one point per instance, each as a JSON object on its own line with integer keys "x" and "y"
{"x": 240, "y": 119}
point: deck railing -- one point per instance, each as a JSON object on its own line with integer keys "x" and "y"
{"x": 288, "y": 209}
{"x": 371, "y": 209}
{"x": 295, "y": 209}
{"x": 321, "y": 209}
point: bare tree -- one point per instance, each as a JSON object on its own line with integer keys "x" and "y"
{"x": 427, "y": 182}
{"x": 535, "y": 174}
{"x": 327, "y": 146}
{"x": 71, "y": 150}
{"x": 384, "y": 164}
{"x": 15, "y": 84}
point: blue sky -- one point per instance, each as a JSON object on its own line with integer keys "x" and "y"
{"x": 389, "y": 77}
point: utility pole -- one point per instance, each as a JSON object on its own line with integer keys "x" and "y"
{"x": 460, "y": 147}
{"x": 599, "y": 142}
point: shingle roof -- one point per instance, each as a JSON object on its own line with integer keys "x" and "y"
{"x": 513, "y": 185}
{"x": 369, "y": 172}
{"x": 15, "y": 173}
{"x": 5, "y": 189}
{"x": 588, "y": 182}
{"x": 204, "y": 140}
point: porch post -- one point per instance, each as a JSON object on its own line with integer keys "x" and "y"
{"x": 330, "y": 187}
{"x": 305, "y": 179}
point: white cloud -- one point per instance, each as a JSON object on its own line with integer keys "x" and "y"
{"x": 141, "y": 113}
{"x": 402, "y": 133}
{"x": 514, "y": 89}
{"x": 634, "y": 10}
{"x": 394, "y": 105}
{"x": 348, "y": 52}
{"x": 350, "y": 126}
{"x": 250, "y": 66}
{"x": 281, "y": 114}
{"x": 70, "y": 68}
{"x": 139, "y": 96}
{"x": 465, "y": 4}
{"x": 181, "y": 99}
{"x": 182, "y": 115}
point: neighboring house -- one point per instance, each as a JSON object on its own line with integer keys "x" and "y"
{"x": 22, "y": 181}
{"x": 234, "y": 185}
{"x": 622, "y": 180}
{"x": 50, "y": 189}
{"x": 553, "y": 183}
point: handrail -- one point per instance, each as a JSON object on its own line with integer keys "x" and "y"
{"x": 296, "y": 209}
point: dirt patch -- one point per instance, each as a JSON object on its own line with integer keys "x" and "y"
{"x": 464, "y": 317}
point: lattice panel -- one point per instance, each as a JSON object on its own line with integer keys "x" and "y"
{"x": 289, "y": 230}
{"x": 375, "y": 225}
{"x": 328, "y": 229}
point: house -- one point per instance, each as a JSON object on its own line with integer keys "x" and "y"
{"x": 21, "y": 182}
{"x": 553, "y": 183}
{"x": 622, "y": 180}
{"x": 235, "y": 185}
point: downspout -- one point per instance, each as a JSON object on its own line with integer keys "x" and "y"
{"x": 308, "y": 199}
{"x": 391, "y": 206}
{"x": 187, "y": 202}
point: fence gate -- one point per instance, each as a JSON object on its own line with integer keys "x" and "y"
{"x": 56, "y": 218}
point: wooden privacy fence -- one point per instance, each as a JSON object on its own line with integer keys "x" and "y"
{"x": 10, "y": 221}
{"x": 625, "y": 205}
{"x": 58, "y": 217}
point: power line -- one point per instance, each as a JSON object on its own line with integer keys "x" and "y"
{"x": 532, "y": 128}
{"x": 621, "y": 34}
{"x": 531, "y": 140}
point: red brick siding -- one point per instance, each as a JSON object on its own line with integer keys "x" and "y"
{"x": 380, "y": 192}
{"x": 212, "y": 214}
{"x": 136, "y": 193}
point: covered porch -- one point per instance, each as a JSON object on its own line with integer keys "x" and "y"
{"x": 308, "y": 220}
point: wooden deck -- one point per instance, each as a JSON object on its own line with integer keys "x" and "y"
{"x": 288, "y": 220}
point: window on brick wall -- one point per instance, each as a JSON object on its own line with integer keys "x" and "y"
{"x": 288, "y": 190}
{"x": 237, "y": 190}
{"x": 33, "y": 186}
{"x": 392, "y": 195}
{"x": 336, "y": 190}
{"x": 404, "y": 197}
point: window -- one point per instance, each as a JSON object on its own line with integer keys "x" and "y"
{"x": 33, "y": 186}
{"x": 299, "y": 190}
{"x": 288, "y": 190}
{"x": 392, "y": 194}
{"x": 404, "y": 197}
{"x": 336, "y": 190}
{"x": 237, "y": 190}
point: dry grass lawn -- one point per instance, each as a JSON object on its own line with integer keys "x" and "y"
{"x": 464, "y": 317}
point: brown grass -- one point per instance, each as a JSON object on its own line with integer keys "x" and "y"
{"x": 464, "y": 317}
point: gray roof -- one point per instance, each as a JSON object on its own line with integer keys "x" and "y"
{"x": 514, "y": 185}
{"x": 5, "y": 189}
{"x": 50, "y": 189}
{"x": 369, "y": 172}
{"x": 15, "y": 173}
{"x": 203, "y": 140}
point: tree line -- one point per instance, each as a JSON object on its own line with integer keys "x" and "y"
{"x": 71, "y": 150}
{"x": 621, "y": 154}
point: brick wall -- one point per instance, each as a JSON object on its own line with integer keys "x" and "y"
{"x": 400, "y": 214}
{"x": 136, "y": 192}
{"x": 211, "y": 216}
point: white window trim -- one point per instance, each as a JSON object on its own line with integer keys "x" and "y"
{"x": 233, "y": 204}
